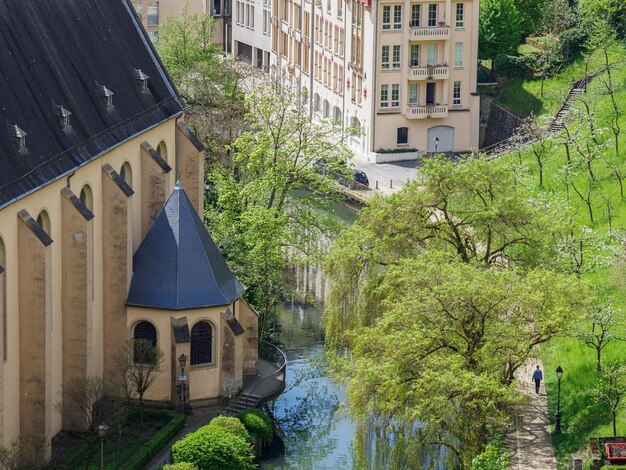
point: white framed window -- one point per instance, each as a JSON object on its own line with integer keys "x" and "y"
{"x": 414, "y": 91}
{"x": 431, "y": 58}
{"x": 384, "y": 96}
{"x": 339, "y": 8}
{"x": 460, "y": 13}
{"x": 402, "y": 136}
{"x": 395, "y": 95}
{"x": 397, "y": 17}
{"x": 396, "y": 57}
{"x": 385, "y": 58}
{"x": 153, "y": 14}
{"x": 154, "y": 36}
{"x": 456, "y": 94}
{"x": 386, "y": 17}
{"x": 415, "y": 55}
{"x": 458, "y": 54}
{"x": 432, "y": 14}
{"x": 416, "y": 13}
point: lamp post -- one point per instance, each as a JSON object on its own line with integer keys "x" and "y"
{"x": 586, "y": 59}
{"x": 102, "y": 432}
{"x": 436, "y": 143}
{"x": 557, "y": 415}
{"x": 182, "y": 360}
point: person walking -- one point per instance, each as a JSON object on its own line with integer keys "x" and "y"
{"x": 537, "y": 377}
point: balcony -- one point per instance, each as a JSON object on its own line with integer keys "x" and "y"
{"x": 424, "y": 112}
{"x": 431, "y": 72}
{"x": 429, "y": 33}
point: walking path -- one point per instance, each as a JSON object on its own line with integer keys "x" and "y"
{"x": 530, "y": 442}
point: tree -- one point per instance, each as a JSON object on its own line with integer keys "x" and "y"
{"x": 535, "y": 133}
{"x": 584, "y": 251}
{"x": 270, "y": 202}
{"x": 530, "y": 15}
{"x": 612, "y": 10}
{"x": 500, "y": 30}
{"x": 610, "y": 390}
{"x": 440, "y": 293}
{"x": 604, "y": 319}
{"x": 25, "y": 453}
{"x": 557, "y": 17}
{"x": 139, "y": 362}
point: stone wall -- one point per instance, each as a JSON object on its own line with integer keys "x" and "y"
{"x": 501, "y": 125}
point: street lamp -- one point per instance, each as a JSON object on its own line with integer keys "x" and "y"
{"x": 557, "y": 415}
{"x": 182, "y": 360}
{"x": 102, "y": 432}
{"x": 436, "y": 143}
{"x": 586, "y": 59}
{"x": 182, "y": 384}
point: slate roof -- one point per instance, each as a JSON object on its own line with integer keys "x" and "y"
{"x": 59, "y": 59}
{"x": 178, "y": 266}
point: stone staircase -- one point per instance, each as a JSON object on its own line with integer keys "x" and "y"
{"x": 242, "y": 403}
{"x": 558, "y": 122}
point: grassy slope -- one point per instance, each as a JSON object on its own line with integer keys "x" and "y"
{"x": 582, "y": 417}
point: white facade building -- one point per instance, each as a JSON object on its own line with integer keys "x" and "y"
{"x": 252, "y": 32}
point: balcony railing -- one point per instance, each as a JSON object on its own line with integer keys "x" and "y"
{"x": 431, "y": 72}
{"x": 430, "y": 33}
{"x": 428, "y": 111}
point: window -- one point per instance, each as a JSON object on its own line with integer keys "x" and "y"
{"x": 402, "y": 136}
{"x": 395, "y": 95}
{"x": 456, "y": 94}
{"x": 153, "y": 14}
{"x": 384, "y": 96}
{"x": 328, "y": 6}
{"x": 432, "y": 14}
{"x": 339, "y": 8}
{"x": 386, "y": 17}
{"x": 432, "y": 55}
{"x": 86, "y": 197}
{"x": 316, "y": 102}
{"x": 458, "y": 54}
{"x": 144, "y": 330}
{"x": 397, "y": 17}
{"x": 396, "y": 57}
{"x": 416, "y": 12}
{"x": 459, "y": 15}
{"x": 413, "y": 94}
{"x": 385, "y": 58}
{"x": 201, "y": 343}
{"x": 415, "y": 55}
{"x": 154, "y": 36}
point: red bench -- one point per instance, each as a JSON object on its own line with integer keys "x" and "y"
{"x": 616, "y": 452}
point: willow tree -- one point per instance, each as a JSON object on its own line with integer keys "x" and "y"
{"x": 440, "y": 293}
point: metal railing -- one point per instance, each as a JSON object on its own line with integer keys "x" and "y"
{"x": 265, "y": 386}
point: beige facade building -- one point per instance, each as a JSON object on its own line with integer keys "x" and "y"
{"x": 404, "y": 73}
{"x": 98, "y": 242}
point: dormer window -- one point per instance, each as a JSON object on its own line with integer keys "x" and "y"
{"x": 64, "y": 116}
{"x": 106, "y": 96}
{"x": 143, "y": 79}
{"x": 18, "y": 138}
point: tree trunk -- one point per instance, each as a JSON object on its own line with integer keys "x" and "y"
{"x": 598, "y": 365}
{"x": 614, "y": 413}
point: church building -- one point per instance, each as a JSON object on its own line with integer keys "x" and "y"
{"x": 101, "y": 230}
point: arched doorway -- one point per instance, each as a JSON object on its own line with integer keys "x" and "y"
{"x": 440, "y": 139}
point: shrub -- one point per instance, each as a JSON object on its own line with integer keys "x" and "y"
{"x": 214, "y": 448}
{"x": 259, "y": 425}
{"x": 181, "y": 466}
{"x": 400, "y": 150}
{"x": 494, "y": 457}
{"x": 572, "y": 42}
{"x": 232, "y": 424}
{"x": 614, "y": 467}
{"x": 516, "y": 66}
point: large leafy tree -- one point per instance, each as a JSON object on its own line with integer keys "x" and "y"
{"x": 440, "y": 293}
{"x": 500, "y": 28}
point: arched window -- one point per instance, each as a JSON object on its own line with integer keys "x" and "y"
{"x": 316, "y": 102}
{"x": 337, "y": 115}
{"x": 144, "y": 330}
{"x": 86, "y": 197}
{"x": 44, "y": 221}
{"x": 326, "y": 110}
{"x": 162, "y": 149}
{"x": 201, "y": 343}
{"x": 127, "y": 174}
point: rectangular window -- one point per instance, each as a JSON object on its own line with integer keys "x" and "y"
{"x": 413, "y": 94}
{"x": 397, "y": 17}
{"x": 385, "y": 57}
{"x": 459, "y": 15}
{"x": 456, "y": 94}
{"x": 395, "y": 95}
{"x": 339, "y": 8}
{"x": 396, "y": 57}
{"x": 402, "y": 136}
{"x": 415, "y": 55}
{"x": 384, "y": 96}
{"x": 153, "y": 14}
{"x": 416, "y": 13}
{"x": 386, "y": 17}
{"x": 458, "y": 54}
{"x": 336, "y": 40}
{"x": 340, "y": 80}
{"x": 432, "y": 14}
{"x": 432, "y": 55}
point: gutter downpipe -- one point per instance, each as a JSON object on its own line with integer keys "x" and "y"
{"x": 374, "y": 92}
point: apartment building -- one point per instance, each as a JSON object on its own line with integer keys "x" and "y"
{"x": 154, "y": 13}
{"x": 252, "y": 32}
{"x": 404, "y": 73}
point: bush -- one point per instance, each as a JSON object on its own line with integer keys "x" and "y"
{"x": 214, "y": 448}
{"x": 494, "y": 457}
{"x": 181, "y": 466}
{"x": 571, "y": 43}
{"x": 614, "y": 467}
{"x": 516, "y": 66}
{"x": 232, "y": 424}
{"x": 401, "y": 150}
{"x": 259, "y": 425}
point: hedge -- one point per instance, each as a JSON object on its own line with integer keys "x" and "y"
{"x": 233, "y": 425}
{"x": 180, "y": 466}
{"x": 614, "y": 467}
{"x": 259, "y": 425}
{"x": 214, "y": 448}
{"x": 155, "y": 444}
{"x": 400, "y": 150}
